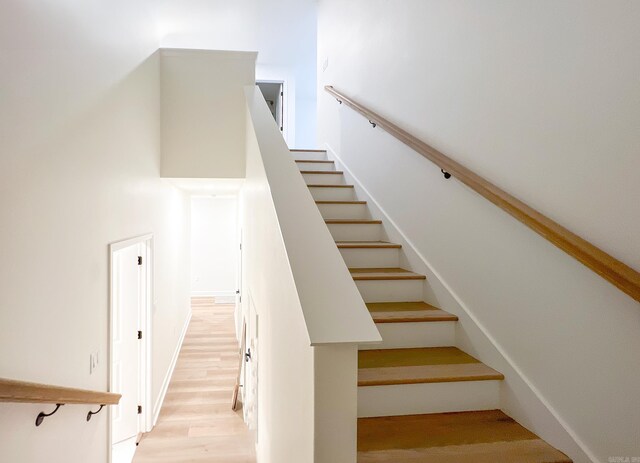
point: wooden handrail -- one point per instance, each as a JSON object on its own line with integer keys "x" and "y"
{"x": 621, "y": 275}
{"x": 25, "y": 392}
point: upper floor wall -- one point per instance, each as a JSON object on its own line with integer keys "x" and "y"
{"x": 282, "y": 31}
{"x": 203, "y": 115}
{"x": 541, "y": 99}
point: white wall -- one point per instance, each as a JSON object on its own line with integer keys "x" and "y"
{"x": 282, "y": 31}
{"x": 269, "y": 299}
{"x": 214, "y": 246}
{"x": 203, "y": 121}
{"x": 79, "y": 169}
{"x": 541, "y": 98}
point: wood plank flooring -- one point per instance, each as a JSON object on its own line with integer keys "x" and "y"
{"x": 384, "y": 273}
{"x": 466, "y": 437}
{"x": 420, "y": 365}
{"x": 196, "y": 423}
{"x": 407, "y": 312}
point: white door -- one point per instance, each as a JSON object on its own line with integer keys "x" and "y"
{"x": 280, "y": 107}
{"x": 125, "y": 366}
{"x": 238, "y": 314}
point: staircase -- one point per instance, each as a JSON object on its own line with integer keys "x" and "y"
{"x": 420, "y": 399}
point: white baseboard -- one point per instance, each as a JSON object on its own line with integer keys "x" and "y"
{"x": 203, "y": 293}
{"x": 167, "y": 379}
{"x": 222, "y": 297}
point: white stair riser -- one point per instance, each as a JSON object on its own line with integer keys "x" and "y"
{"x": 413, "y": 399}
{"x": 344, "y": 211}
{"x": 324, "y": 166}
{"x": 356, "y": 232}
{"x": 417, "y": 334}
{"x": 333, "y": 194}
{"x": 324, "y": 179}
{"x": 309, "y": 155}
{"x": 371, "y": 257}
{"x": 391, "y": 290}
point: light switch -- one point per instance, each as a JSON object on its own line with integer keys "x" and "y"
{"x": 93, "y": 362}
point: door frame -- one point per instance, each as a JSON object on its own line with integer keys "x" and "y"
{"x": 239, "y": 314}
{"x": 145, "y": 420}
{"x": 285, "y": 101}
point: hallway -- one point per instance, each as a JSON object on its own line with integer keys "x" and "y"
{"x": 196, "y": 423}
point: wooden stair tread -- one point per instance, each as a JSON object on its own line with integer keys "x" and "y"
{"x": 329, "y": 186}
{"x": 406, "y": 312}
{"x": 353, "y": 221}
{"x": 420, "y": 365}
{"x": 391, "y": 273}
{"x": 316, "y": 161}
{"x": 463, "y": 437}
{"x": 340, "y": 202}
{"x": 322, "y": 172}
{"x": 297, "y": 150}
{"x": 366, "y": 245}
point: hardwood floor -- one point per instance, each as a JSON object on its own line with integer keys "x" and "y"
{"x": 196, "y": 423}
{"x": 467, "y": 437}
{"x": 420, "y": 365}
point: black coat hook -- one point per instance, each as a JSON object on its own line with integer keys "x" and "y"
{"x": 372, "y": 123}
{"x": 446, "y": 174}
{"x": 43, "y": 415}
{"x": 94, "y": 413}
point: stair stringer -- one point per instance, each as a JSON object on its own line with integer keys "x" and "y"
{"x": 519, "y": 397}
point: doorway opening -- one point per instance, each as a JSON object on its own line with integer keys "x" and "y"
{"x": 130, "y": 344}
{"x": 274, "y": 94}
{"x": 214, "y": 247}
{"x": 216, "y": 254}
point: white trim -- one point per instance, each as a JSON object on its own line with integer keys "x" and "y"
{"x": 117, "y": 245}
{"x": 221, "y": 297}
{"x": 213, "y": 293}
{"x": 167, "y": 378}
{"x": 124, "y": 451}
{"x": 268, "y": 73}
{"x": 219, "y": 54}
{"x": 237, "y": 314}
{"x": 454, "y": 295}
{"x": 203, "y": 293}
{"x": 284, "y": 103}
{"x": 146, "y": 324}
{"x": 147, "y": 339}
